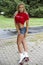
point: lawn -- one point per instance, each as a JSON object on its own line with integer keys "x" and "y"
{"x": 9, "y": 22}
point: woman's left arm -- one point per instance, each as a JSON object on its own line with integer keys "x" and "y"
{"x": 27, "y": 21}
{"x": 27, "y": 25}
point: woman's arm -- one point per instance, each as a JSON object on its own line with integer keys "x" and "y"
{"x": 16, "y": 25}
{"x": 27, "y": 21}
{"x": 27, "y": 25}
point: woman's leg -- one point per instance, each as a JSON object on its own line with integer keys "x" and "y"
{"x": 25, "y": 50}
{"x": 25, "y": 44}
{"x": 19, "y": 42}
{"x": 20, "y": 47}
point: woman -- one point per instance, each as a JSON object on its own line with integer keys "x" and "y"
{"x": 20, "y": 18}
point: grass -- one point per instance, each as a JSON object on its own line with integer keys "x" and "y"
{"x": 9, "y": 22}
{"x": 6, "y": 22}
{"x": 36, "y": 22}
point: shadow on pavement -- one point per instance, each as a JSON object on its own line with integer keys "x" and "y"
{"x": 6, "y": 33}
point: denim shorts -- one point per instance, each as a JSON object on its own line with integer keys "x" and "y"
{"x": 23, "y": 30}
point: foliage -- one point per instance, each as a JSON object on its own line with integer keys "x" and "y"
{"x": 34, "y": 7}
{"x": 8, "y": 6}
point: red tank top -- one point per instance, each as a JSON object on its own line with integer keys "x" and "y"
{"x": 21, "y": 17}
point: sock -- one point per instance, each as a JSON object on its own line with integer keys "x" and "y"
{"x": 26, "y": 54}
{"x": 21, "y": 55}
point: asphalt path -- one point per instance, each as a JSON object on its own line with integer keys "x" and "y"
{"x": 6, "y": 33}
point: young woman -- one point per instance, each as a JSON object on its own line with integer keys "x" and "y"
{"x": 20, "y": 18}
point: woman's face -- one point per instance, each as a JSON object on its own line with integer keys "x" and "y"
{"x": 21, "y": 8}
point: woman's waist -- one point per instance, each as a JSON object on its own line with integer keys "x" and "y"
{"x": 21, "y": 28}
{"x": 21, "y": 25}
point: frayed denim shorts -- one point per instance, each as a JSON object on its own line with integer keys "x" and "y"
{"x": 23, "y": 30}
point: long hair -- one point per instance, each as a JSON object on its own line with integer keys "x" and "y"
{"x": 19, "y": 5}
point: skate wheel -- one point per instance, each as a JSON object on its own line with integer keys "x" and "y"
{"x": 26, "y": 59}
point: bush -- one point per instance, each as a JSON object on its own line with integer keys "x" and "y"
{"x": 8, "y": 7}
{"x": 33, "y": 7}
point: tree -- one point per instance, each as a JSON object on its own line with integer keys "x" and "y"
{"x": 34, "y": 7}
{"x": 8, "y": 6}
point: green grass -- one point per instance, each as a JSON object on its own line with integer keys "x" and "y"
{"x": 6, "y": 22}
{"x": 36, "y": 22}
{"x": 9, "y": 22}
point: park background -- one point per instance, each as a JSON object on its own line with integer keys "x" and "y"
{"x": 8, "y": 35}
{"x": 8, "y": 8}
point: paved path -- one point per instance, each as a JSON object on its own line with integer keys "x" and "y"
{"x": 9, "y": 52}
{"x": 6, "y": 33}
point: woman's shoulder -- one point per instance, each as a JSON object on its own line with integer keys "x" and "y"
{"x": 26, "y": 15}
{"x": 26, "y": 12}
{"x": 15, "y": 13}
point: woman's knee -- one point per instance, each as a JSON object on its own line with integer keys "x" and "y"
{"x": 20, "y": 38}
{"x": 23, "y": 40}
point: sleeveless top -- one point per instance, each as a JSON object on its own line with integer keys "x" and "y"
{"x": 21, "y": 17}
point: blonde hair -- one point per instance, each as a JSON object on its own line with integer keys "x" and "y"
{"x": 19, "y": 5}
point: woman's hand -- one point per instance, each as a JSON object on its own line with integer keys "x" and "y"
{"x": 18, "y": 32}
{"x": 26, "y": 34}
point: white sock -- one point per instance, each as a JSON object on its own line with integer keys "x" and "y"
{"x": 21, "y": 56}
{"x": 26, "y": 54}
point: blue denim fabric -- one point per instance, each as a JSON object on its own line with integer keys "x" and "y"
{"x": 23, "y": 30}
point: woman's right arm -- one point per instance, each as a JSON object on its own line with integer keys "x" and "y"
{"x": 16, "y": 25}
